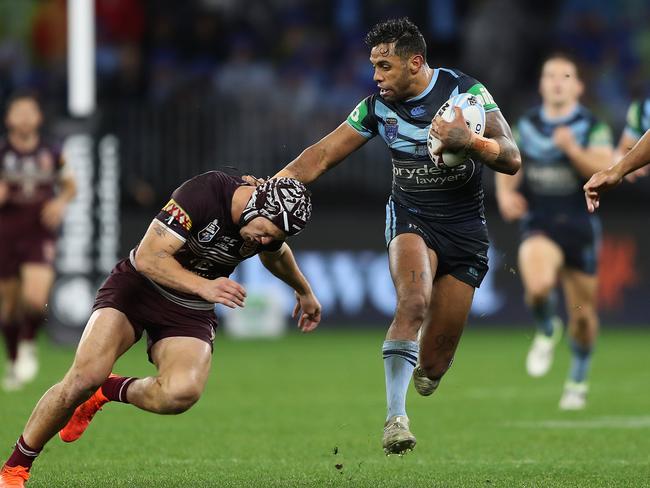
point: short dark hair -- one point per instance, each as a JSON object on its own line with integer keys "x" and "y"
{"x": 564, "y": 56}
{"x": 405, "y": 34}
{"x": 23, "y": 94}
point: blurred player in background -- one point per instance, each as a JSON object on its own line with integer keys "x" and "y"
{"x": 168, "y": 287}
{"x": 638, "y": 122}
{"x": 562, "y": 145}
{"x": 435, "y": 225}
{"x": 35, "y": 189}
{"x": 637, "y": 158}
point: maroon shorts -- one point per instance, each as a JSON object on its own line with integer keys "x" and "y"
{"x": 132, "y": 294}
{"x": 23, "y": 240}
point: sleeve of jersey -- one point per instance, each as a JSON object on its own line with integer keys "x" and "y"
{"x": 362, "y": 118}
{"x": 600, "y": 135}
{"x": 633, "y": 121}
{"x": 479, "y": 91}
{"x": 184, "y": 206}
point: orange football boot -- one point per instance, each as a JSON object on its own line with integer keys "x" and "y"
{"x": 82, "y": 416}
{"x": 13, "y": 476}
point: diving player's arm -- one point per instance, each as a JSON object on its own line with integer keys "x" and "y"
{"x": 497, "y": 149}
{"x": 638, "y": 157}
{"x": 324, "y": 155}
{"x": 282, "y": 264}
{"x": 587, "y": 160}
{"x": 154, "y": 258}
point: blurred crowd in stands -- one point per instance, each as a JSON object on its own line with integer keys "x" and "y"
{"x": 300, "y": 53}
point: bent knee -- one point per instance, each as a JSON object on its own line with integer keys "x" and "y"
{"x": 176, "y": 400}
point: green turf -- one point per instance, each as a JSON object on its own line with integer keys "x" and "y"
{"x": 275, "y": 412}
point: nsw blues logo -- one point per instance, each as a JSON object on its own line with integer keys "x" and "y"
{"x": 390, "y": 127}
{"x": 417, "y": 111}
{"x": 209, "y": 231}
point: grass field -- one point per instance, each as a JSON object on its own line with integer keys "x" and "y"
{"x": 307, "y": 410}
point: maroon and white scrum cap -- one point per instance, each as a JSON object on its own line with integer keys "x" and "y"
{"x": 284, "y": 201}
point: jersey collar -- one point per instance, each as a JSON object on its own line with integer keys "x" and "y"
{"x": 426, "y": 91}
{"x": 558, "y": 120}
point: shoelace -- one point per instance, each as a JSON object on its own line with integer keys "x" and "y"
{"x": 16, "y": 471}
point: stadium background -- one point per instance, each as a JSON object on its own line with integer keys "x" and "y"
{"x": 185, "y": 87}
{"x": 215, "y": 83}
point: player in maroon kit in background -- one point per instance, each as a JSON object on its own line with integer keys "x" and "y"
{"x": 35, "y": 189}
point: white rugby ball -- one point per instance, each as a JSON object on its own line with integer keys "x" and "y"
{"x": 474, "y": 117}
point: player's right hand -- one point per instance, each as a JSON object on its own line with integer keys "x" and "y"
{"x": 224, "y": 291}
{"x": 253, "y": 180}
{"x": 599, "y": 182}
{"x": 512, "y": 205}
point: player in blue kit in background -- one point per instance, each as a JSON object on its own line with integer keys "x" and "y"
{"x": 435, "y": 225}
{"x": 562, "y": 145}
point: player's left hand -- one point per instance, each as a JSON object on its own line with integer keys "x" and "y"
{"x": 52, "y": 213}
{"x": 307, "y": 311}
{"x": 564, "y": 138}
{"x": 455, "y": 135}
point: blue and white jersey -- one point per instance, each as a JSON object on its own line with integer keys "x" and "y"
{"x": 444, "y": 195}
{"x": 638, "y": 118}
{"x": 551, "y": 183}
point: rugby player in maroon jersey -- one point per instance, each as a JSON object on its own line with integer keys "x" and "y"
{"x": 168, "y": 287}
{"x": 35, "y": 189}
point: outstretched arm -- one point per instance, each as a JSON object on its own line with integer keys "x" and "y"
{"x": 325, "y": 154}
{"x": 497, "y": 148}
{"x": 638, "y": 157}
{"x": 283, "y": 265}
{"x": 155, "y": 259}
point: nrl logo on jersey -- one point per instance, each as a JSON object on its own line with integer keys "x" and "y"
{"x": 209, "y": 231}
{"x": 391, "y": 126}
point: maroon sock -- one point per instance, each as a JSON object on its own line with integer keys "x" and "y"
{"x": 32, "y": 323}
{"x": 115, "y": 388}
{"x": 10, "y": 331}
{"x": 23, "y": 455}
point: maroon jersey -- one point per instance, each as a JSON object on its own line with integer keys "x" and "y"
{"x": 32, "y": 177}
{"x": 199, "y": 214}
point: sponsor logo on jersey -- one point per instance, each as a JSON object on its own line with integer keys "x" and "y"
{"x": 391, "y": 127}
{"x": 178, "y": 214}
{"x": 209, "y": 231}
{"x": 427, "y": 177}
{"x": 417, "y": 111}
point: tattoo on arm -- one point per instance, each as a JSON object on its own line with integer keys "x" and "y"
{"x": 508, "y": 149}
{"x": 160, "y": 231}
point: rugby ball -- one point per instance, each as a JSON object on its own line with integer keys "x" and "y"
{"x": 474, "y": 117}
